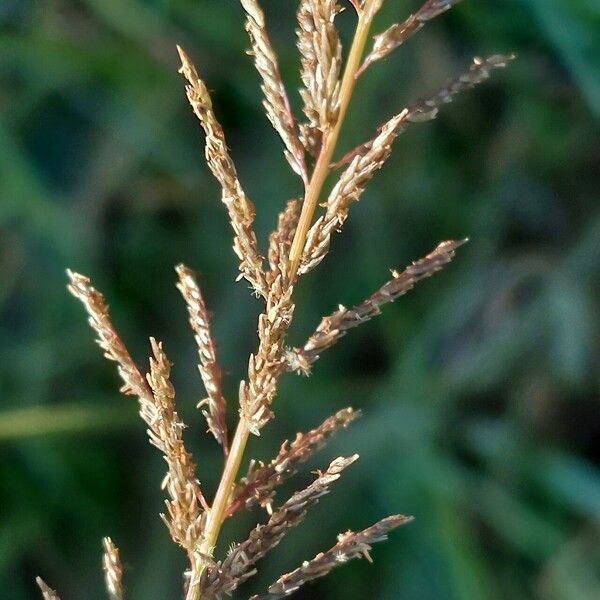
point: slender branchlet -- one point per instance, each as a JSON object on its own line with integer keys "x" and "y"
{"x": 350, "y": 545}
{"x": 47, "y": 592}
{"x": 399, "y": 33}
{"x": 108, "y": 339}
{"x": 321, "y": 59}
{"x": 239, "y": 206}
{"x": 258, "y": 486}
{"x": 334, "y": 326}
{"x": 185, "y": 515}
{"x": 113, "y": 570}
{"x": 208, "y": 366}
{"x": 276, "y": 103}
{"x": 238, "y": 566}
{"x": 369, "y": 157}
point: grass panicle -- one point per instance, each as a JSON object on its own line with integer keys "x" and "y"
{"x": 276, "y": 102}
{"x": 165, "y": 430}
{"x": 299, "y": 243}
{"x": 239, "y": 206}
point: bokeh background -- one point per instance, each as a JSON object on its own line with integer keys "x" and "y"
{"x": 479, "y": 389}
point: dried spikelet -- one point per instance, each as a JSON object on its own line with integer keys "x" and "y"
{"x": 108, "y": 339}
{"x": 113, "y": 571}
{"x": 350, "y": 545}
{"x": 47, "y": 592}
{"x": 239, "y": 206}
{"x": 280, "y": 240}
{"x": 258, "y": 486}
{"x": 321, "y": 58}
{"x": 399, "y": 33}
{"x": 370, "y": 157}
{"x": 333, "y": 327}
{"x": 185, "y": 519}
{"x": 276, "y": 103}
{"x": 208, "y": 367}
{"x": 238, "y": 566}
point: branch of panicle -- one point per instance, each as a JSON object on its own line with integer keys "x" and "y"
{"x": 258, "y": 486}
{"x": 208, "y": 366}
{"x": 336, "y": 325}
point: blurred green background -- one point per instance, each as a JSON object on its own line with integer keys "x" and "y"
{"x": 479, "y": 389}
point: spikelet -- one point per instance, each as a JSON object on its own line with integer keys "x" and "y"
{"x": 258, "y": 486}
{"x": 113, "y": 571}
{"x": 276, "y": 103}
{"x": 239, "y": 206}
{"x": 208, "y": 367}
{"x": 370, "y": 157}
{"x": 47, "y": 592}
{"x": 333, "y": 327}
{"x": 165, "y": 430}
{"x": 281, "y": 238}
{"x": 321, "y": 58}
{"x": 238, "y": 566}
{"x": 350, "y": 545}
{"x": 398, "y": 33}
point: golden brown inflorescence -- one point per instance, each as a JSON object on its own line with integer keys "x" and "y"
{"x": 299, "y": 243}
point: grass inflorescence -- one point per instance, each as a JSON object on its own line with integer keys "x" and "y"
{"x": 299, "y": 243}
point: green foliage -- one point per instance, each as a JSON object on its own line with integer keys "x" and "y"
{"x": 479, "y": 389}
